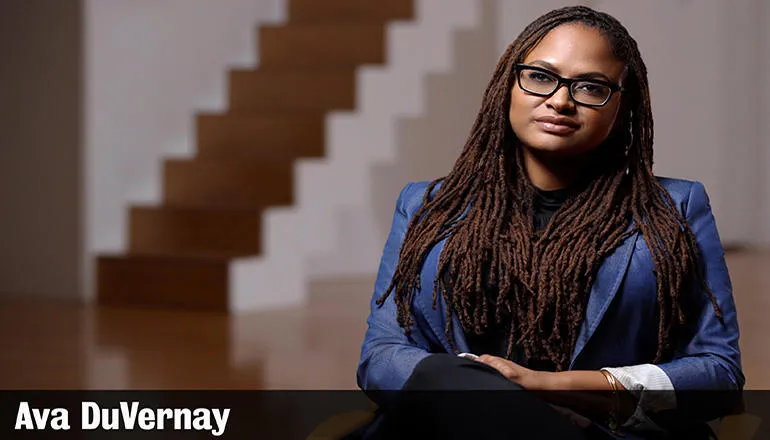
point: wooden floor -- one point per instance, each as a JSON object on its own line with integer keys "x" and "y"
{"x": 48, "y": 345}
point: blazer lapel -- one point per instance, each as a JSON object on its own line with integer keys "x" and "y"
{"x": 608, "y": 280}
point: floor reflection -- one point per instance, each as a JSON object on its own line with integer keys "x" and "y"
{"x": 48, "y": 345}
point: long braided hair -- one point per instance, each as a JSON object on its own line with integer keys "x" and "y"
{"x": 484, "y": 210}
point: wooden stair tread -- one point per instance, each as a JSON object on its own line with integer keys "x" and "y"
{"x": 179, "y": 282}
{"x": 176, "y": 259}
{"x": 196, "y": 209}
{"x": 267, "y": 90}
{"x": 268, "y": 136}
{"x": 332, "y": 27}
{"x": 382, "y": 10}
{"x": 319, "y": 45}
{"x": 179, "y": 230}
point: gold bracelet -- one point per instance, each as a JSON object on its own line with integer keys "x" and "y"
{"x": 613, "y": 419}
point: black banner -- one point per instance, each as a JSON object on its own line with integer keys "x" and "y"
{"x": 293, "y": 414}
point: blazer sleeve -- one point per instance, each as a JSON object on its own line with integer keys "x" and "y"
{"x": 388, "y": 357}
{"x": 709, "y": 357}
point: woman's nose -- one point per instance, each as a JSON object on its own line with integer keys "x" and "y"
{"x": 561, "y": 99}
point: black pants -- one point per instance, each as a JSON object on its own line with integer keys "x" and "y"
{"x": 442, "y": 399}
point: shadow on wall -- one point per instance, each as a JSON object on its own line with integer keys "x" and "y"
{"x": 41, "y": 102}
{"x": 429, "y": 146}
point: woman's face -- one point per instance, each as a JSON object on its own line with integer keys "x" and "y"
{"x": 557, "y": 126}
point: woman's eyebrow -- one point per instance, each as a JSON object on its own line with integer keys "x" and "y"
{"x": 554, "y": 69}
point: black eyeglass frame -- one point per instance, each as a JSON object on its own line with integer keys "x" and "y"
{"x": 614, "y": 88}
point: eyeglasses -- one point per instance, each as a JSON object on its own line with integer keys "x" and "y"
{"x": 542, "y": 82}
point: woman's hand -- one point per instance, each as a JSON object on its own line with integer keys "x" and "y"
{"x": 532, "y": 380}
{"x": 529, "y": 379}
{"x": 582, "y": 387}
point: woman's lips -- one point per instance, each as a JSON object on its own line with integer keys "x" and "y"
{"x": 557, "y": 125}
{"x": 552, "y": 128}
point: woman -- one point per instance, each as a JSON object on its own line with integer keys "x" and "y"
{"x": 553, "y": 252}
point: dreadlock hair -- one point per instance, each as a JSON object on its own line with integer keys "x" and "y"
{"x": 484, "y": 210}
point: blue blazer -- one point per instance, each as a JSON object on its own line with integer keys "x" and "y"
{"x": 709, "y": 357}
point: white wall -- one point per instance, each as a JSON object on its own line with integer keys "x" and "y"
{"x": 150, "y": 66}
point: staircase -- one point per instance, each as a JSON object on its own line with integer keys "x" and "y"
{"x": 180, "y": 254}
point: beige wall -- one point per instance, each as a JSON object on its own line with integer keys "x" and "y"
{"x": 40, "y": 139}
{"x": 704, "y": 67}
{"x": 764, "y": 97}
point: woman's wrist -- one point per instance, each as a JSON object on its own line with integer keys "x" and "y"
{"x": 550, "y": 381}
{"x": 571, "y": 381}
{"x": 587, "y": 392}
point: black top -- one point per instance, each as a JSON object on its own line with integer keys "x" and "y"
{"x": 546, "y": 204}
{"x": 495, "y": 340}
